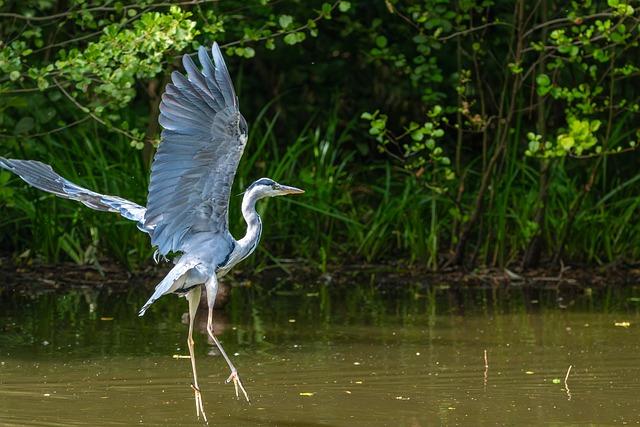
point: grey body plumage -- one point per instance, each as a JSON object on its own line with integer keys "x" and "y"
{"x": 203, "y": 138}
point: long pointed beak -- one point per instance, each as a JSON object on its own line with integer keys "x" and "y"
{"x": 290, "y": 190}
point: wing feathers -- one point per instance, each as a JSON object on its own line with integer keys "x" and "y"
{"x": 209, "y": 72}
{"x": 222, "y": 76}
{"x": 203, "y": 139}
{"x": 43, "y": 177}
{"x": 200, "y": 84}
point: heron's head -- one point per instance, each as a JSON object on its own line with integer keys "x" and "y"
{"x": 266, "y": 187}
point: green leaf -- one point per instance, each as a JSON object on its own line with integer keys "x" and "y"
{"x": 42, "y": 83}
{"x": 515, "y": 67}
{"x": 326, "y": 10}
{"x": 285, "y": 20}
{"x": 566, "y": 141}
{"x": 24, "y": 125}
{"x": 291, "y": 38}
{"x": 543, "y": 80}
{"x": 247, "y": 52}
{"x": 344, "y": 6}
{"x": 381, "y": 41}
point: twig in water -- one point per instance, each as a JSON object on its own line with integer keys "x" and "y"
{"x": 566, "y": 386}
{"x": 486, "y": 368}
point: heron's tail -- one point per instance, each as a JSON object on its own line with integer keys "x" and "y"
{"x": 44, "y": 178}
{"x": 172, "y": 282}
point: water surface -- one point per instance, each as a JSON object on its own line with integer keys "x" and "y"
{"x": 325, "y": 356}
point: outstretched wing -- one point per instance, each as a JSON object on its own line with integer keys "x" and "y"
{"x": 43, "y": 177}
{"x": 203, "y": 139}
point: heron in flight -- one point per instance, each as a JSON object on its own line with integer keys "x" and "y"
{"x": 187, "y": 210}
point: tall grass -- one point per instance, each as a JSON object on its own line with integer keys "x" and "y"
{"x": 354, "y": 210}
{"x": 56, "y": 229}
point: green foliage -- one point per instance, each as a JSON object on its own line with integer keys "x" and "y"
{"x": 110, "y": 66}
{"x": 485, "y": 132}
{"x": 577, "y": 139}
{"x": 56, "y": 229}
{"x": 480, "y": 73}
{"x": 422, "y": 154}
{"x": 112, "y": 50}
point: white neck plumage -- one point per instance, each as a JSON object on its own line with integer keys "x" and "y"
{"x": 264, "y": 187}
{"x": 249, "y": 242}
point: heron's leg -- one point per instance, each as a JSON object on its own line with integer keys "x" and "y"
{"x": 193, "y": 296}
{"x": 212, "y": 289}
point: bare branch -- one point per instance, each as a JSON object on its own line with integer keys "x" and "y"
{"x": 49, "y": 132}
{"x": 99, "y": 9}
{"x": 91, "y": 114}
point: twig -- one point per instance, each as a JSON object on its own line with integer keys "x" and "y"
{"x": 486, "y": 368}
{"x": 280, "y": 33}
{"x": 473, "y": 29}
{"x": 566, "y": 20}
{"x": 98, "y": 9}
{"x": 566, "y": 377}
{"x": 566, "y": 386}
{"x": 49, "y": 132}
{"x": 96, "y": 33}
{"x": 600, "y": 154}
{"x": 21, "y": 90}
{"x": 395, "y": 10}
{"x": 90, "y": 113}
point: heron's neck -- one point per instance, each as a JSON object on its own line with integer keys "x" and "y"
{"x": 254, "y": 226}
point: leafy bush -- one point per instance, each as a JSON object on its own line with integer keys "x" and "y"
{"x": 472, "y": 132}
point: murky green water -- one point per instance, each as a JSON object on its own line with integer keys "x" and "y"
{"x": 321, "y": 356}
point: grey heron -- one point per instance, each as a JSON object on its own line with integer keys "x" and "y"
{"x": 187, "y": 213}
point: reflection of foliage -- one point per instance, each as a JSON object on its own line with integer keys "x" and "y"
{"x": 63, "y": 324}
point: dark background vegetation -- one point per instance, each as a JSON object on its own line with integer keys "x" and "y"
{"x": 434, "y": 133}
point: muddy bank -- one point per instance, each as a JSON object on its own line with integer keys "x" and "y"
{"x": 107, "y": 274}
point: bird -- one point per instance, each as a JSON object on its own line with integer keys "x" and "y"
{"x": 187, "y": 213}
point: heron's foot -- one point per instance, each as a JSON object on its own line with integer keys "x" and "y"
{"x": 237, "y": 384}
{"x": 199, "y": 404}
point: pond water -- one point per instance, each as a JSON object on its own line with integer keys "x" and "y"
{"x": 314, "y": 355}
